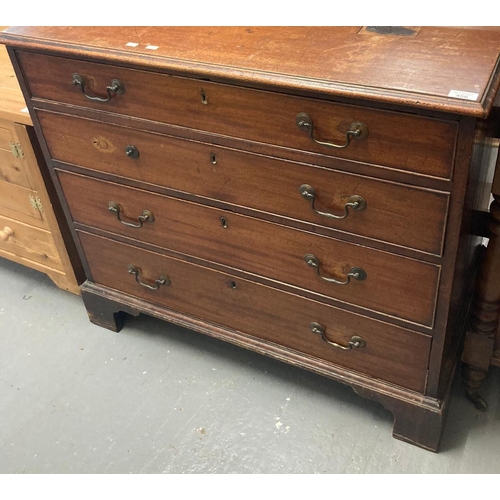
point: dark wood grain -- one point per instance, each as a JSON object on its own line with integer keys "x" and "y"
{"x": 416, "y": 424}
{"x": 422, "y": 142}
{"x": 418, "y": 71}
{"x": 261, "y": 248}
{"x": 393, "y": 354}
{"x": 395, "y": 213}
{"x": 460, "y": 261}
{"x": 269, "y": 150}
{"x": 401, "y": 141}
{"x": 106, "y": 313}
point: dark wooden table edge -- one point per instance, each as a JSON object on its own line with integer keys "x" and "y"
{"x": 263, "y": 79}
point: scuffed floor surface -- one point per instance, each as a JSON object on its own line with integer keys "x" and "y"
{"x": 155, "y": 398}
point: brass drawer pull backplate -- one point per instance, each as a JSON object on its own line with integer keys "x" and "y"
{"x": 146, "y": 215}
{"x": 354, "y": 202}
{"x": 356, "y": 342}
{"x": 115, "y": 88}
{"x": 162, "y": 280}
{"x": 357, "y": 130}
{"x": 355, "y": 272}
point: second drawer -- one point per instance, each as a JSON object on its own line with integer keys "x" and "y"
{"x": 396, "y": 286}
{"x": 403, "y": 215}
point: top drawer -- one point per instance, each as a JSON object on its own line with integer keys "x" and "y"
{"x": 395, "y": 140}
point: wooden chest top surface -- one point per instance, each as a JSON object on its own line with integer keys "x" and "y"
{"x": 418, "y": 69}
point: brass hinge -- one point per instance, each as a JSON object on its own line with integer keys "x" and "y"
{"x": 36, "y": 203}
{"x": 16, "y": 149}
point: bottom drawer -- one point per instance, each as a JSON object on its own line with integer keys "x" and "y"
{"x": 29, "y": 242}
{"x": 390, "y": 353}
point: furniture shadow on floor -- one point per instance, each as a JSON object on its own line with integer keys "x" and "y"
{"x": 462, "y": 418}
{"x": 267, "y": 371}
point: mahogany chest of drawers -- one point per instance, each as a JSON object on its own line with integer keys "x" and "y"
{"x": 302, "y": 192}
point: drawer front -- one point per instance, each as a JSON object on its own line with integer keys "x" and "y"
{"x": 396, "y": 140}
{"x": 406, "y": 216}
{"x": 28, "y": 242}
{"x": 395, "y": 285}
{"x": 12, "y": 169}
{"x": 393, "y": 354}
{"x": 19, "y": 199}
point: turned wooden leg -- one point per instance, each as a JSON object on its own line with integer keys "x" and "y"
{"x": 480, "y": 336}
{"x": 105, "y": 312}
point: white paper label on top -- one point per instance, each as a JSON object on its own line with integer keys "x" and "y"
{"x": 461, "y": 94}
{"x": 131, "y": 44}
{"x": 152, "y": 47}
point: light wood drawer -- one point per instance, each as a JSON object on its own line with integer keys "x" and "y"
{"x": 391, "y": 353}
{"x": 19, "y": 199}
{"x": 12, "y": 169}
{"x": 28, "y": 242}
{"x": 396, "y": 286}
{"x": 403, "y": 215}
{"x": 396, "y": 140}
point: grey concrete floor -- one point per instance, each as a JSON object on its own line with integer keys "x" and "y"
{"x": 156, "y": 398}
